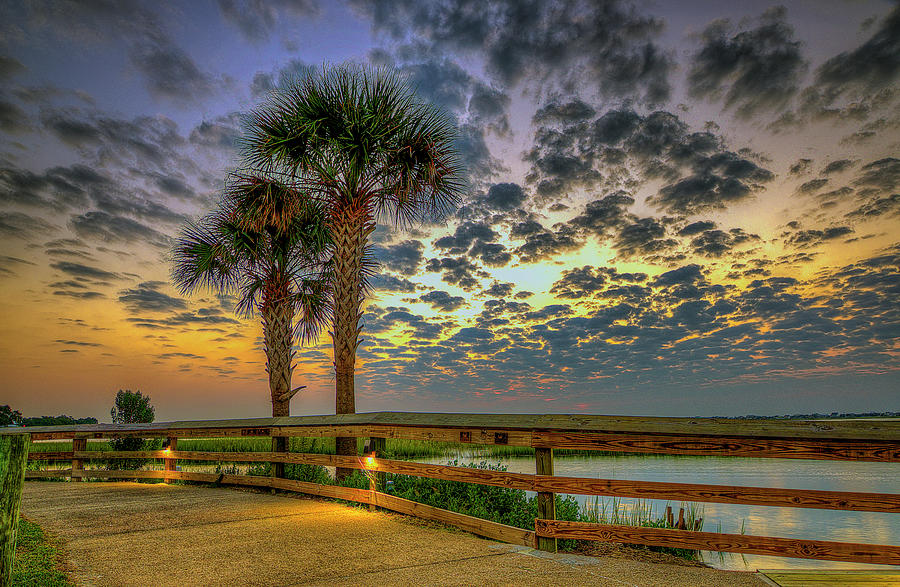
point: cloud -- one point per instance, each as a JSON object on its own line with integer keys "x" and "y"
{"x": 752, "y": 70}
{"x": 7, "y": 265}
{"x": 838, "y": 166}
{"x": 442, "y": 301}
{"x": 86, "y": 271}
{"x": 811, "y": 238}
{"x": 19, "y": 225}
{"x": 168, "y": 71}
{"x": 500, "y": 290}
{"x": 109, "y": 228}
{"x": 13, "y": 120}
{"x": 698, "y": 172}
{"x": 868, "y": 69}
{"x": 256, "y": 19}
{"x": 404, "y": 257}
{"x": 387, "y": 282}
{"x": 10, "y": 66}
{"x": 457, "y": 271}
{"x": 146, "y": 297}
{"x": 608, "y": 46}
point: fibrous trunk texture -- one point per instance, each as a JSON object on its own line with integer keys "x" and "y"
{"x": 278, "y": 335}
{"x": 350, "y": 229}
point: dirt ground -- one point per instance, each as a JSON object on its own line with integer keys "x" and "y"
{"x": 155, "y": 534}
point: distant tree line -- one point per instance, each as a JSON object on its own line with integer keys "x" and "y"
{"x": 816, "y": 416}
{"x": 9, "y": 416}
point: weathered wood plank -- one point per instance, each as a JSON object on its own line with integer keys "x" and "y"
{"x": 471, "y": 524}
{"x": 63, "y": 455}
{"x": 48, "y": 473}
{"x": 800, "y": 498}
{"x": 870, "y": 430}
{"x": 732, "y": 446}
{"x": 790, "y": 547}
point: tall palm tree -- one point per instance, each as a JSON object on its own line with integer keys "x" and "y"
{"x": 267, "y": 243}
{"x": 366, "y": 147}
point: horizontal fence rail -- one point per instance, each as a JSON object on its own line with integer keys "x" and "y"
{"x": 860, "y": 440}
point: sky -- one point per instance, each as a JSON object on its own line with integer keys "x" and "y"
{"x": 682, "y": 209}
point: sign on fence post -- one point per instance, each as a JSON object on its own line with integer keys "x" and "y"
{"x": 13, "y": 455}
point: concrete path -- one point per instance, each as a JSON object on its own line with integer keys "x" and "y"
{"x": 143, "y": 534}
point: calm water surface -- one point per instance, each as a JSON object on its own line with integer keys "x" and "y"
{"x": 865, "y": 527}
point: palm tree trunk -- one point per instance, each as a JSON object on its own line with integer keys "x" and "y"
{"x": 278, "y": 336}
{"x": 350, "y": 230}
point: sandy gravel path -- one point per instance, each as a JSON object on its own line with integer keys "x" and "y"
{"x": 143, "y": 534}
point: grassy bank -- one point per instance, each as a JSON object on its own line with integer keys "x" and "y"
{"x": 37, "y": 559}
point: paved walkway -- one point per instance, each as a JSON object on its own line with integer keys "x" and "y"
{"x": 143, "y": 534}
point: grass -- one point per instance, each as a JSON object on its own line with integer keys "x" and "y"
{"x": 37, "y": 558}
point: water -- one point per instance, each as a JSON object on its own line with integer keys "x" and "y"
{"x": 864, "y": 527}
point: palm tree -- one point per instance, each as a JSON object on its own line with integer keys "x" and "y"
{"x": 266, "y": 242}
{"x": 364, "y": 146}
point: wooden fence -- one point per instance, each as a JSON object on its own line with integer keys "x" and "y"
{"x": 859, "y": 440}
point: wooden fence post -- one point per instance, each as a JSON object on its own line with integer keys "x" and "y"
{"x": 78, "y": 445}
{"x": 546, "y": 502}
{"x": 375, "y": 448}
{"x": 170, "y": 464}
{"x": 13, "y": 456}
{"x": 543, "y": 465}
{"x": 279, "y": 444}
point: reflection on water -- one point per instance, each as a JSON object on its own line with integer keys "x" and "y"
{"x": 865, "y": 527}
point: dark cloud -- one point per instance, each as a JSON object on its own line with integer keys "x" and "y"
{"x": 19, "y": 225}
{"x": 464, "y": 237}
{"x": 110, "y": 228}
{"x": 883, "y": 174}
{"x": 79, "y": 270}
{"x": 683, "y": 275}
{"x": 442, "y": 301}
{"x": 490, "y": 254}
{"x": 146, "y": 297}
{"x": 888, "y": 206}
{"x": 870, "y": 68}
{"x": 13, "y": 120}
{"x": 698, "y": 171}
{"x": 404, "y": 257}
{"x": 542, "y": 244}
{"x": 7, "y": 265}
{"x": 696, "y": 227}
{"x": 500, "y": 290}
{"x": 644, "y": 236}
{"x": 715, "y": 243}
{"x": 457, "y": 271}
{"x": 838, "y": 165}
{"x": 387, "y": 282}
{"x": 812, "y": 185}
{"x": 169, "y": 72}
{"x": 504, "y": 197}
{"x": 202, "y": 317}
{"x": 801, "y": 167}
{"x": 751, "y": 70}
{"x": 609, "y": 46}
{"x": 10, "y": 66}
{"x": 811, "y": 238}
{"x": 256, "y": 19}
